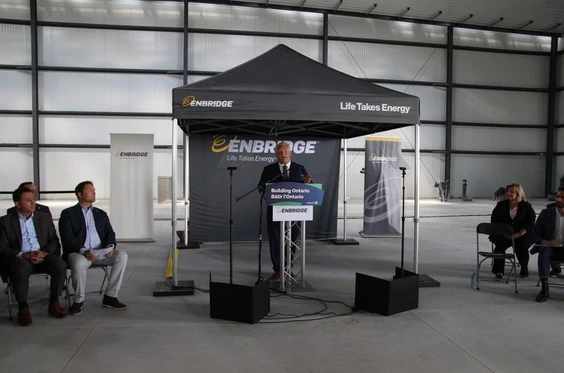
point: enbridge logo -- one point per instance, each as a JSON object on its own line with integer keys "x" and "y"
{"x": 132, "y": 154}
{"x": 373, "y": 158}
{"x": 191, "y": 101}
{"x": 289, "y": 210}
{"x": 221, "y": 143}
{"x": 187, "y": 101}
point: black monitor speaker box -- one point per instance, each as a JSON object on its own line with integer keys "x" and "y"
{"x": 241, "y": 303}
{"x": 387, "y": 297}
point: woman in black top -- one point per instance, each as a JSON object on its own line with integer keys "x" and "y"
{"x": 517, "y": 212}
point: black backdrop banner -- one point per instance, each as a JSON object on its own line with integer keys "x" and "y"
{"x": 382, "y": 187}
{"x": 210, "y": 155}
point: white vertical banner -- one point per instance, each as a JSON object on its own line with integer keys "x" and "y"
{"x": 131, "y": 192}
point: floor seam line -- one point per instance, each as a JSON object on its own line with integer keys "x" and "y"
{"x": 451, "y": 341}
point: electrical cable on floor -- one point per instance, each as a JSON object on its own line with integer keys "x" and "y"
{"x": 278, "y": 318}
{"x": 186, "y": 287}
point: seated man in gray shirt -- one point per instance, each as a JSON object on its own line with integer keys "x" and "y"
{"x": 84, "y": 230}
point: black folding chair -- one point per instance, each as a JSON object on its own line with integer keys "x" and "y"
{"x": 68, "y": 282}
{"x": 495, "y": 229}
{"x": 10, "y": 290}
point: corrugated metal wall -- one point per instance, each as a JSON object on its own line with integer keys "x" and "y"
{"x": 151, "y": 93}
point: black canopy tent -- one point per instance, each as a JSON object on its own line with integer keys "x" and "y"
{"x": 284, "y": 93}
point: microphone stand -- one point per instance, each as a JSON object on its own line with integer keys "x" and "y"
{"x": 232, "y": 302}
{"x": 231, "y": 169}
{"x": 260, "y": 186}
{"x": 259, "y": 275}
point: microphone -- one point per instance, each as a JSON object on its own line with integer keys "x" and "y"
{"x": 262, "y": 185}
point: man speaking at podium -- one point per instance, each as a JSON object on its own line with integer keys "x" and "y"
{"x": 282, "y": 171}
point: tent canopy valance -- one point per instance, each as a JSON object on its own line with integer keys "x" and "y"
{"x": 285, "y": 93}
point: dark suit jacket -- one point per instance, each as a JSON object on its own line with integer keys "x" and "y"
{"x": 272, "y": 174}
{"x": 545, "y": 225}
{"x": 38, "y": 208}
{"x": 72, "y": 228}
{"x": 11, "y": 237}
{"x": 525, "y": 218}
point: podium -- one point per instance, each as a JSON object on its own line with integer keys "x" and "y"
{"x": 292, "y": 204}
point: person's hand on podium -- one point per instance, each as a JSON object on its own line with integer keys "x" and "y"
{"x": 306, "y": 178}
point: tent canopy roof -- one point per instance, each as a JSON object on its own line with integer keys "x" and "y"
{"x": 283, "y": 92}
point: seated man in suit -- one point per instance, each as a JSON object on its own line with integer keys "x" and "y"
{"x": 84, "y": 229}
{"x": 554, "y": 264}
{"x": 38, "y": 207}
{"x": 549, "y": 232}
{"x": 282, "y": 171}
{"x": 29, "y": 243}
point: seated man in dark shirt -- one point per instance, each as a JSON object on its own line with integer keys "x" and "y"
{"x": 28, "y": 244}
{"x": 548, "y": 235}
{"x": 38, "y": 207}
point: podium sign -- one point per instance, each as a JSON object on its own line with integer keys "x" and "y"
{"x": 292, "y": 213}
{"x": 293, "y": 194}
{"x": 293, "y": 201}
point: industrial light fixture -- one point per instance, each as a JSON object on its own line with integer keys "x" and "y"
{"x": 553, "y": 27}
{"x": 496, "y": 22}
{"x": 338, "y": 5}
{"x": 371, "y": 8}
{"x": 405, "y": 11}
{"x": 466, "y": 19}
{"x": 525, "y": 25}
{"x": 436, "y": 15}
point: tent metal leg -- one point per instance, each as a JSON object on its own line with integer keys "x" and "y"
{"x": 344, "y": 240}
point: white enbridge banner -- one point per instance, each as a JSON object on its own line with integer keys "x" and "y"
{"x": 382, "y": 187}
{"x": 131, "y": 192}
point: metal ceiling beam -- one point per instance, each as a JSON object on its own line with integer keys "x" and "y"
{"x": 372, "y": 16}
{"x": 313, "y": 10}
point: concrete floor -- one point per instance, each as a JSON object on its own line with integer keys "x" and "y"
{"x": 455, "y": 328}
